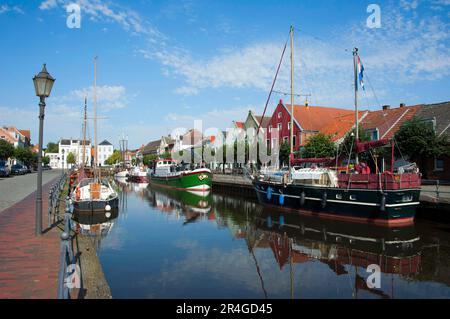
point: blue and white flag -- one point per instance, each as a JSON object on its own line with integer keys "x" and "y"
{"x": 361, "y": 73}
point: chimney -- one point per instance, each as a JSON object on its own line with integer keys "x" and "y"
{"x": 402, "y": 104}
{"x": 281, "y": 101}
{"x": 386, "y": 107}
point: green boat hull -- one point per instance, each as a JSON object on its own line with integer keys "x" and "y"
{"x": 196, "y": 181}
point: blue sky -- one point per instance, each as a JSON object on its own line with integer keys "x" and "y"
{"x": 163, "y": 64}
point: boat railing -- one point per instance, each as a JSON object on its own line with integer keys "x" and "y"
{"x": 379, "y": 181}
{"x": 54, "y": 199}
{"x": 68, "y": 277}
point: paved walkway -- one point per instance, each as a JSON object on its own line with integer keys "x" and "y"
{"x": 28, "y": 264}
{"x": 14, "y": 189}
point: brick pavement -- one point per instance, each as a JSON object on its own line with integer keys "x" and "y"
{"x": 28, "y": 264}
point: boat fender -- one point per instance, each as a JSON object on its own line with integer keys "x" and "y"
{"x": 78, "y": 193}
{"x": 383, "y": 203}
{"x": 324, "y": 200}
{"x": 302, "y": 198}
{"x": 281, "y": 199}
{"x": 269, "y": 193}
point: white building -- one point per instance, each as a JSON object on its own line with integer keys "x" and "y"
{"x": 105, "y": 150}
{"x": 67, "y": 146}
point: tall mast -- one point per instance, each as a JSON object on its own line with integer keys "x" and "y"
{"x": 355, "y": 66}
{"x": 292, "y": 91}
{"x": 84, "y": 132}
{"x": 95, "y": 118}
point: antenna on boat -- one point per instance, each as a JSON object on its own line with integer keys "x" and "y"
{"x": 355, "y": 66}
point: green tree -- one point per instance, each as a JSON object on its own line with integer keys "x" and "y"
{"x": 6, "y": 150}
{"x": 418, "y": 140}
{"x": 52, "y": 148}
{"x": 25, "y": 155}
{"x": 71, "y": 158}
{"x": 285, "y": 151}
{"x": 114, "y": 158}
{"x": 319, "y": 146}
{"x": 46, "y": 160}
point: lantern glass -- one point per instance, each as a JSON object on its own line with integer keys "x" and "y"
{"x": 43, "y": 83}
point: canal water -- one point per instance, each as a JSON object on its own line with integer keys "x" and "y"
{"x": 169, "y": 244}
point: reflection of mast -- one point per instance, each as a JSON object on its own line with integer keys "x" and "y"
{"x": 250, "y": 248}
{"x": 291, "y": 268}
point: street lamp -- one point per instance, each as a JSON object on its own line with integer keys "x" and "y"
{"x": 43, "y": 84}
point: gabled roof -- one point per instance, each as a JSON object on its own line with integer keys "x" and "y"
{"x": 388, "y": 121}
{"x": 440, "y": 112}
{"x": 105, "y": 143}
{"x": 25, "y": 133}
{"x": 151, "y": 147}
{"x": 342, "y": 125}
{"x": 263, "y": 121}
{"x": 314, "y": 118}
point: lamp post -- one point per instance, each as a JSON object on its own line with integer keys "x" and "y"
{"x": 43, "y": 84}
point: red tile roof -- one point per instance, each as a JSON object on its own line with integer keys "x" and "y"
{"x": 25, "y": 133}
{"x": 240, "y": 125}
{"x": 342, "y": 125}
{"x": 389, "y": 121}
{"x": 314, "y": 118}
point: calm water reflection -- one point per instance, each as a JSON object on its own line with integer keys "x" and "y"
{"x": 178, "y": 245}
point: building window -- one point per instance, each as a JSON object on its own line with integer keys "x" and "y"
{"x": 279, "y": 127}
{"x": 289, "y": 125}
{"x": 285, "y": 139}
{"x": 294, "y": 140}
{"x": 279, "y": 115}
{"x": 374, "y": 136}
{"x": 438, "y": 164}
{"x": 268, "y": 144}
{"x": 270, "y": 129}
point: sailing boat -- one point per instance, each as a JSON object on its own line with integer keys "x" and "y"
{"x": 388, "y": 198}
{"x": 123, "y": 172}
{"x": 95, "y": 194}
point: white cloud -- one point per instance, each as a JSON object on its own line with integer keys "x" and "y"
{"x": 99, "y": 10}
{"x": 108, "y": 97}
{"x": 4, "y": 8}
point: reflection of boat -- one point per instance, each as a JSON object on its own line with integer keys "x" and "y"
{"x": 191, "y": 205}
{"x": 122, "y": 174}
{"x": 167, "y": 173}
{"x": 346, "y": 248}
{"x": 95, "y": 225}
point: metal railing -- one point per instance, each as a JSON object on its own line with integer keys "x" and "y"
{"x": 54, "y": 200}
{"x": 67, "y": 268}
{"x": 441, "y": 189}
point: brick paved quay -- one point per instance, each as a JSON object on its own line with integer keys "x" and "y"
{"x": 28, "y": 265}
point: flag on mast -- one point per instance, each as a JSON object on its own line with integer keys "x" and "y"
{"x": 360, "y": 73}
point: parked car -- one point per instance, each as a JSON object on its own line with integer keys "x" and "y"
{"x": 5, "y": 170}
{"x": 18, "y": 169}
{"x": 27, "y": 169}
{"x": 46, "y": 167}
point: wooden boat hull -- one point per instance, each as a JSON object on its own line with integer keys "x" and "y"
{"x": 391, "y": 208}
